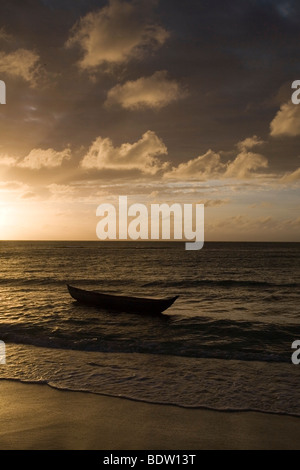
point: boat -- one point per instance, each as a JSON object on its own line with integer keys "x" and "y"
{"x": 121, "y": 303}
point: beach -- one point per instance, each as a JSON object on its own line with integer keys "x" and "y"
{"x": 214, "y": 372}
{"x": 149, "y": 227}
{"x": 39, "y": 417}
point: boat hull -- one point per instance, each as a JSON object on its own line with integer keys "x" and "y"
{"x": 121, "y": 303}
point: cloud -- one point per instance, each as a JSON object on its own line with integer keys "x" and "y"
{"x": 203, "y": 167}
{"x": 6, "y": 186}
{"x": 209, "y": 165}
{"x": 63, "y": 192}
{"x": 6, "y": 160}
{"x": 215, "y": 202}
{"x": 14, "y": 191}
{"x": 141, "y": 155}
{"x": 248, "y": 224}
{"x": 116, "y": 33}
{"x": 249, "y": 143}
{"x": 291, "y": 177}
{"x": 29, "y": 195}
{"x": 60, "y": 188}
{"x": 146, "y": 92}
{"x": 244, "y": 164}
{"x": 21, "y": 63}
{"x": 242, "y": 223}
{"x": 287, "y": 121}
{"x": 262, "y": 204}
{"x": 49, "y": 158}
{"x": 4, "y": 36}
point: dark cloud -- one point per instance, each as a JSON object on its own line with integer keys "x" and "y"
{"x": 231, "y": 56}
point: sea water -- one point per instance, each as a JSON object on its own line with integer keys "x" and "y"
{"x": 225, "y": 344}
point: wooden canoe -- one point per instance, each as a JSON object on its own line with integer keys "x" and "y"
{"x": 121, "y": 302}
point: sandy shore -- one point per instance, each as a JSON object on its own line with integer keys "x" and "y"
{"x": 38, "y": 417}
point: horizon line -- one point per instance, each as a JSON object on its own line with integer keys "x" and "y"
{"x": 149, "y": 241}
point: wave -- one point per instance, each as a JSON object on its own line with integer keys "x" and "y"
{"x": 53, "y": 281}
{"x": 185, "y": 382}
{"x": 194, "y": 337}
{"x": 220, "y": 283}
{"x": 159, "y": 283}
{"x": 84, "y": 389}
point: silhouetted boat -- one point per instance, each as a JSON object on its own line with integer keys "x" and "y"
{"x": 121, "y": 302}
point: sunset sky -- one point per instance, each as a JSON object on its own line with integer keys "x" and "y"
{"x": 163, "y": 101}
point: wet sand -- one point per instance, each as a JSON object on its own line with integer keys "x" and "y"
{"x": 39, "y": 417}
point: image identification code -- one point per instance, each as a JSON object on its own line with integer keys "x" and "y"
{"x": 150, "y": 459}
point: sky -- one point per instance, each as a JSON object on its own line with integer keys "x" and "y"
{"x": 160, "y": 100}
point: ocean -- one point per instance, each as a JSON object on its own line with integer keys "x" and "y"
{"x": 224, "y": 345}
